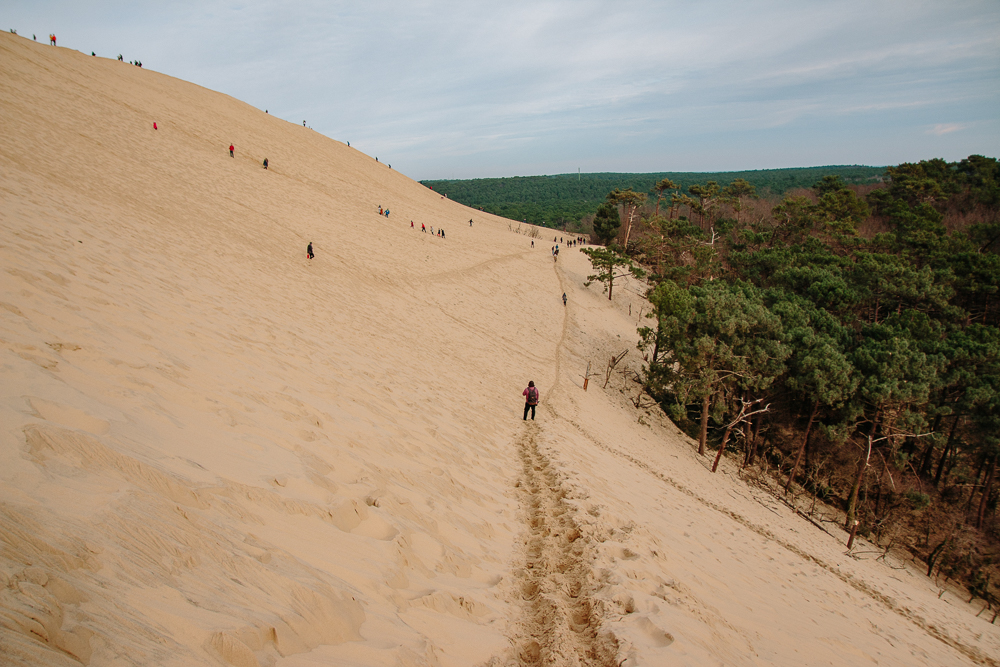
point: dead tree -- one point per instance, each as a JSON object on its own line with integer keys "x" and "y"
{"x": 611, "y": 366}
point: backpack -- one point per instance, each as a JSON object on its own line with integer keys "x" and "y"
{"x": 532, "y": 396}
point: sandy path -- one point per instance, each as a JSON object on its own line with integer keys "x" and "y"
{"x": 561, "y": 626}
{"x": 556, "y": 580}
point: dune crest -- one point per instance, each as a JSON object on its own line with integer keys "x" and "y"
{"x": 217, "y": 451}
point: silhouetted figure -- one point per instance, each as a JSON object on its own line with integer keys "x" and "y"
{"x": 309, "y": 251}
{"x": 265, "y": 163}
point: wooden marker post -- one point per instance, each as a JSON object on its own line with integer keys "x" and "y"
{"x": 854, "y": 531}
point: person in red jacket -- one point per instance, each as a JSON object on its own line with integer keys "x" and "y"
{"x": 530, "y": 400}
{"x": 231, "y": 149}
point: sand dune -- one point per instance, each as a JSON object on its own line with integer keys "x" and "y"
{"x": 215, "y": 451}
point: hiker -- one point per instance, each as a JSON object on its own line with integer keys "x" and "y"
{"x": 231, "y": 149}
{"x": 470, "y": 222}
{"x": 411, "y": 224}
{"x": 387, "y": 213}
{"x": 532, "y": 244}
{"x": 442, "y": 233}
{"x": 530, "y": 400}
{"x": 154, "y": 126}
{"x": 120, "y": 59}
{"x": 265, "y": 163}
{"x": 52, "y": 40}
{"x": 309, "y": 251}
{"x": 564, "y": 298}
{"x": 423, "y": 227}
{"x": 303, "y": 123}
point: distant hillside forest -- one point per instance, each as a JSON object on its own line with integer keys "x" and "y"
{"x": 565, "y": 200}
{"x": 843, "y": 342}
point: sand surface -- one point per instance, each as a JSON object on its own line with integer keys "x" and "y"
{"x": 214, "y": 451}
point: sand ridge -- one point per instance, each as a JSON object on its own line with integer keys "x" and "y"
{"x": 215, "y": 451}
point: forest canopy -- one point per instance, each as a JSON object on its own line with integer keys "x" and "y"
{"x": 564, "y": 200}
{"x": 845, "y": 341}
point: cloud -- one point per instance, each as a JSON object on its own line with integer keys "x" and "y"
{"x": 947, "y": 128}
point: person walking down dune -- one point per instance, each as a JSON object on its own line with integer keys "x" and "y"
{"x": 231, "y": 149}
{"x": 564, "y": 298}
{"x": 265, "y": 163}
{"x": 309, "y": 251}
{"x": 530, "y": 400}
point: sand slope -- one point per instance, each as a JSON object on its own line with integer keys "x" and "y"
{"x": 213, "y": 451}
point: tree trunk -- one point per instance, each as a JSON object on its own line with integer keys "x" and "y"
{"x": 936, "y": 553}
{"x": 975, "y": 481}
{"x": 947, "y": 449}
{"x": 628, "y": 228}
{"x": 703, "y": 433}
{"x": 802, "y": 447}
{"x": 925, "y": 464}
{"x": 852, "y": 500}
{"x": 752, "y": 449}
{"x": 725, "y": 439}
{"x": 986, "y": 493}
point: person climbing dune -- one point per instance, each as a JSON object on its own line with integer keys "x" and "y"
{"x": 530, "y": 400}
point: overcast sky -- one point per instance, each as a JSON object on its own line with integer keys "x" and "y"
{"x": 473, "y": 89}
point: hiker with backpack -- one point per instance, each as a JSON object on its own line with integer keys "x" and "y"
{"x": 530, "y": 400}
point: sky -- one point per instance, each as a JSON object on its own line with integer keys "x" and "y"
{"x": 473, "y": 89}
